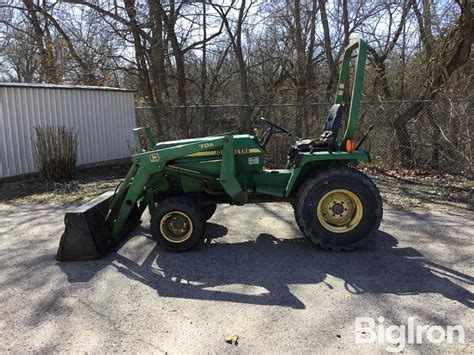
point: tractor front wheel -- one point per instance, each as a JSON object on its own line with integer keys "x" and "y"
{"x": 339, "y": 208}
{"x": 177, "y": 224}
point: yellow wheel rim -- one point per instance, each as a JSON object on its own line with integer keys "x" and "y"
{"x": 176, "y": 227}
{"x": 339, "y": 211}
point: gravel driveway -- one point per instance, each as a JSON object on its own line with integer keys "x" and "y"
{"x": 255, "y": 277}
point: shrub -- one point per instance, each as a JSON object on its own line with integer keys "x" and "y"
{"x": 56, "y": 149}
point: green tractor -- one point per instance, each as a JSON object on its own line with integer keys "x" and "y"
{"x": 181, "y": 182}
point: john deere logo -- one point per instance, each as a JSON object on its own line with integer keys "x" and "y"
{"x": 154, "y": 157}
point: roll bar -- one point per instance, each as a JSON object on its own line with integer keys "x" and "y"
{"x": 356, "y": 93}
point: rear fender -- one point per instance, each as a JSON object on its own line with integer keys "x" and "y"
{"x": 310, "y": 163}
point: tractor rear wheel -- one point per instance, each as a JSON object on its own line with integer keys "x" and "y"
{"x": 339, "y": 208}
{"x": 177, "y": 224}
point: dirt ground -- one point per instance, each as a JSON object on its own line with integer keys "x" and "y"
{"x": 255, "y": 276}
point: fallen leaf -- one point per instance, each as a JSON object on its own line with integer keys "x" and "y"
{"x": 232, "y": 339}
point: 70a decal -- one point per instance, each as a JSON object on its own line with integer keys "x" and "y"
{"x": 206, "y": 145}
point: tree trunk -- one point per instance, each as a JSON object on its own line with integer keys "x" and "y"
{"x": 48, "y": 73}
{"x": 246, "y": 110}
{"x": 333, "y": 77}
{"x": 157, "y": 55}
{"x": 236, "y": 41}
{"x": 402, "y": 135}
{"x": 300, "y": 116}
{"x": 170, "y": 22}
{"x": 204, "y": 115}
{"x": 304, "y": 64}
{"x": 455, "y": 56}
{"x": 435, "y": 138}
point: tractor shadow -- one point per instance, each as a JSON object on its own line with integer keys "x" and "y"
{"x": 260, "y": 271}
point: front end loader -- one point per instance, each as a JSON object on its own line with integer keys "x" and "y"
{"x": 181, "y": 182}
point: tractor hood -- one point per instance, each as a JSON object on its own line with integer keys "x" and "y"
{"x": 168, "y": 144}
{"x": 241, "y": 141}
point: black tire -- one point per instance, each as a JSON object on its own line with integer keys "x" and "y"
{"x": 362, "y": 223}
{"x": 208, "y": 211}
{"x": 176, "y": 212}
{"x": 297, "y": 219}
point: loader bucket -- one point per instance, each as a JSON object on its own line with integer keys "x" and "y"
{"x": 87, "y": 235}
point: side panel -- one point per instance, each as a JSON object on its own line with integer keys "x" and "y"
{"x": 248, "y": 157}
{"x": 272, "y": 182}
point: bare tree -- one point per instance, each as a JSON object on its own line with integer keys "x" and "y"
{"x": 19, "y": 56}
{"x": 37, "y": 16}
{"x": 303, "y": 35}
{"x": 176, "y": 53}
{"x": 235, "y": 36}
{"x": 454, "y": 50}
{"x": 380, "y": 54}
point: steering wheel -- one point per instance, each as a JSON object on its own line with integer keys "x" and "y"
{"x": 268, "y": 134}
{"x": 273, "y": 125}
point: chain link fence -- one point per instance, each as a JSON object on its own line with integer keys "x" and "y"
{"x": 428, "y": 134}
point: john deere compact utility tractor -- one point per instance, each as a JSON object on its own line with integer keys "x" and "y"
{"x": 181, "y": 182}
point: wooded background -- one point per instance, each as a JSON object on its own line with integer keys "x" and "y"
{"x": 202, "y": 67}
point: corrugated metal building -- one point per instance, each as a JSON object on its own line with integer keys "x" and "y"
{"x": 103, "y": 118}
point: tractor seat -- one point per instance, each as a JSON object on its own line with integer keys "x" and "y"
{"x": 328, "y": 139}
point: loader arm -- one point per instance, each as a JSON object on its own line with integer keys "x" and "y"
{"x": 145, "y": 165}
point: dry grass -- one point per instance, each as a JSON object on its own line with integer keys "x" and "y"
{"x": 425, "y": 189}
{"x": 88, "y": 184}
